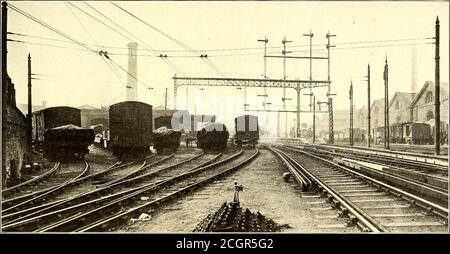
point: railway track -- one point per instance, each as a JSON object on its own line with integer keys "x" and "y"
{"x": 180, "y": 184}
{"x": 21, "y": 186}
{"x": 42, "y": 195}
{"x": 371, "y": 204}
{"x": 430, "y": 185}
{"x": 38, "y": 197}
{"x": 28, "y": 220}
{"x": 420, "y": 158}
{"x": 381, "y": 158}
{"x": 82, "y": 188}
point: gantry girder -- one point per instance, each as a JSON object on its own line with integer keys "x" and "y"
{"x": 247, "y": 82}
{"x": 298, "y": 85}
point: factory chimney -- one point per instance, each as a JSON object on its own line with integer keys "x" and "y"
{"x": 132, "y": 88}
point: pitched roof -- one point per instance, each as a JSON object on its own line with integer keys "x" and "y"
{"x": 377, "y": 102}
{"x": 405, "y": 97}
{"x": 424, "y": 88}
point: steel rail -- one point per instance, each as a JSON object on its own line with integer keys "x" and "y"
{"x": 30, "y": 201}
{"x": 117, "y": 202}
{"x": 368, "y": 223}
{"x": 143, "y": 167}
{"x": 437, "y": 209}
{"x": 414, "y": 182}
{"x": 38, "y": 214}
{"x": 161, "y": 200}
{"x": 404, "y": 163}
{"x": 115, "y": 166}
{"x": 299, "y": 177}
{"x": 34, "y": 180}
{"x": 391, "y": 151}
{"x": 425, "y": 204}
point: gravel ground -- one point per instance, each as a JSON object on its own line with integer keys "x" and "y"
{"x": 264, "y": 191}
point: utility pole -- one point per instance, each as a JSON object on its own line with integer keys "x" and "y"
{"x": 386, "y": 106}
{"x": 330, "y": 100}
{"x": 165, "y": 100}
{"x": 310, "y": 35}
{"x": 284, "y": 52}
{"x": 368, "y": 105}
{"x": 265, "y": 76}
{"x": 437, "y": 117}
{"x": 350, "y": 136}
{"x": 30, "y": 110}
{"x": 314, "y": 120}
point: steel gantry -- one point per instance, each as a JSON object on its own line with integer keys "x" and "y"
{"x": 297, "y": 85}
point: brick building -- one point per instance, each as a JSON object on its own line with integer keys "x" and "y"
{"x": 377, "y": 113}
{"x": 399, "y": 108}
{"x": 422, "y": 106}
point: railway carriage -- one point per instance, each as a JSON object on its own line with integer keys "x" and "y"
{"x": 130, "y": 129}
{"x": 247, "y": 130}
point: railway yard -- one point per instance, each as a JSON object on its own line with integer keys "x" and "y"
{"x": 326, "y": 191}
{"x": 250, "y": 156}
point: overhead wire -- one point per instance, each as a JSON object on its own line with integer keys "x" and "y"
{"x": 69, "y": 37}
{"x": 14, "y": 8}
{"x": 172, "y": 65}
{"x": 214, "y": 67}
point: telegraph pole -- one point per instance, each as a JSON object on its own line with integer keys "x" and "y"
{"x": 386, "y": 106}
{"x": 30, "y": 110}
{"x": 437, "y": 118}
{"x": 284, "y": 52}
{"x": 314, "y": 120}
{"x": 350, "y": 136}
{"x": 368, "y": 105}
{"x": 265, "y": 76}
{"x": 330, "y": 100}
{"x": 310, "y": 35}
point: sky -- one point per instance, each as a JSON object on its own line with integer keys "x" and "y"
{"x": 366, "y": 33}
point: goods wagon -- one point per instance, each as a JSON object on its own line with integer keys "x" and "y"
{"x": 166, "y": 140}
{"x": 98, "y": 128}
{"x": 163, "y": 121}
{"x": 102, "y": 121}
{"x": 417, "y": 133}
{"x": 130, "y": 126}
{"x": 213, "y": 136}
{"x": 396, "y": 133}
{"x": 67, "y": 142}
{"x": 53, "y": 117}
{"x": 247, "y": 130}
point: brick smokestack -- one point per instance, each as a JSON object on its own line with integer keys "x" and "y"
{"x": 132, "y": 88}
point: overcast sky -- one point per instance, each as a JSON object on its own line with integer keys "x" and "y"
{"x": 73, "y": 73}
